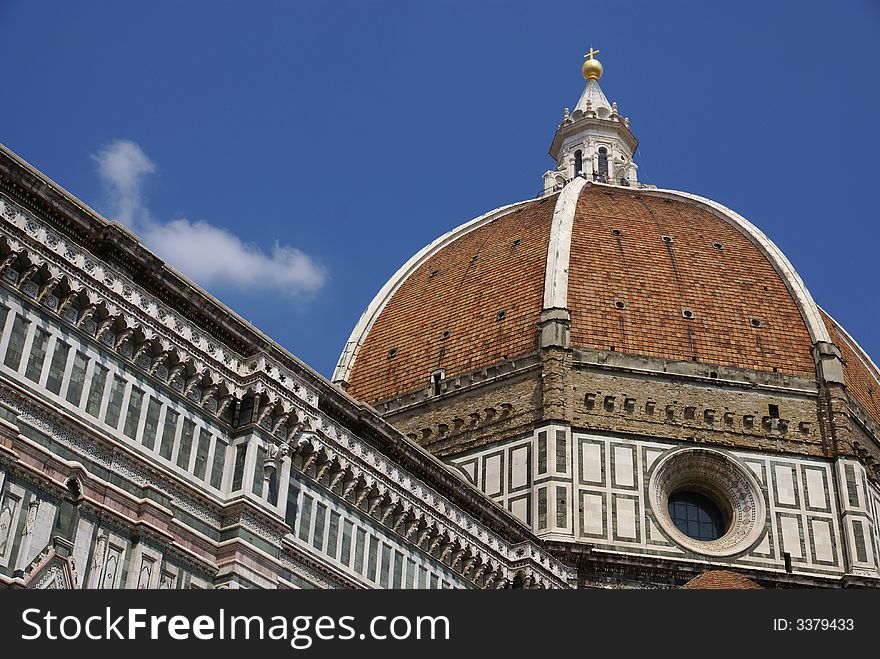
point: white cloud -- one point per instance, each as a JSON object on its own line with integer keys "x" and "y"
{"x": 215, "y": 255}
{"x": 121, "y": 165}
{"x": 210, "y": 255}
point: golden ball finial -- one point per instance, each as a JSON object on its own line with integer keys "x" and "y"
{"x": 592, "y": 68}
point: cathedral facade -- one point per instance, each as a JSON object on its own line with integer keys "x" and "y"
{"x": 612, "y": 385}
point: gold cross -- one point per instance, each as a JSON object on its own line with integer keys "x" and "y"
{"x": 591, "y": 53}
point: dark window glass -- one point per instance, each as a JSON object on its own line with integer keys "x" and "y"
{"x": 542, "y": 508}
{"x": 186, "y": 442}
{"x": 320, "y": 516}
{"x": 114, "y": 405}
{"x": 96, "y": 391}
{"x": 398, "y": 570}
{"x": 56, "y": 367}
{"x": 166, "y": 448}
{"x": 386, "y": 566}
{"x": 561, "y": 507}
{"x": 305, "y": 520}
{"x": 16, "y": 343}
{"x": 851, "y": 490}
{"x": 603, "y": 161}
{"x": 560, "y": 451}
{"x": 359, "y": 551}
{"x": 333, "y": 534}
{"x": 861, "y": 551}
{"x": 204, "y": 444}
{"x": 38, "y": 355}
{"x": 259, "y": 472}
{"x": 345, "y": 554}
{"x": 273, "y": 487}
{"x": 696, "y": 516}
{"x": 374, "y": 555}
{"x": 133, "y": 416}
{"x": 542, "y": 452}
{"x": 290, "y": 512}
{"x": 218, "y": 463}
{"x": 238, "y": 468}
{"x": 77, "y": 379}
{"x": 151, "y": 425}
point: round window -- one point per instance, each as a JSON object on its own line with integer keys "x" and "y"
{"x": 705, "y": 501}
{"x": 697, "y": 516}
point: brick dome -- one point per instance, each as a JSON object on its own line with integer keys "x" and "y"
{"x": 472, "y": 300}
{"x": 584, "y": 357}
{"x": 638, "y": 271}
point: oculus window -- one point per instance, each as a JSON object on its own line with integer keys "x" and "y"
{"x": 696, "y": 516}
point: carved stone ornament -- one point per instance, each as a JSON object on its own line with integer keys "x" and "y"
{"x": 31, "y": 521}
{"x": 725, "y": 482}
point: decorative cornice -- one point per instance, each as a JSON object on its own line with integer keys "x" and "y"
{"x": 136, "y": 308}
{"x": 379, "y": 475}
{"x": 365, "y": 464}
{"x": 694, "y": 372}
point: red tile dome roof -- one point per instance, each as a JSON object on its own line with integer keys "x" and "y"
{"x": 483, "y": 288}
{"x": 674, "y": 257}
{"x": 721, "y": 580}
{"x": 646, "y": 272}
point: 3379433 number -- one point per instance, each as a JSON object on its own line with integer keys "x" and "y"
{"x": 824, "y": 624}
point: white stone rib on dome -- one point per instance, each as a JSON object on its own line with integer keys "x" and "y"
{"x": 359, "y": 334}
{"x": 559, "y": 247}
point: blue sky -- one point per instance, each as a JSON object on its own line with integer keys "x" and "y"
{"x": 321, "y": 144}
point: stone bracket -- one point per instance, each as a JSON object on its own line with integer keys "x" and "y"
{"x": 828, "y": 362}
{"x": 555, "y": 328}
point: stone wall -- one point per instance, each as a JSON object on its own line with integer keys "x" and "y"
{"x": 728, "y": 414}
{"x": 590, "y": 492}
{"x": 473, "y": 413}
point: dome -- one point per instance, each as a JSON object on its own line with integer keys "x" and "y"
{"x": 614, "y": 272}
{"x": 635, "y": 369}
{"x": 649, "y": 272}
{"x": 646, "y": 272}
{"x": 471, "y": 298}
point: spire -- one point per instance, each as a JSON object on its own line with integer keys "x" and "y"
{"x": 593, "y": 97}
{"x": 593, "y": 100}
{"x": 593, "y": 141}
